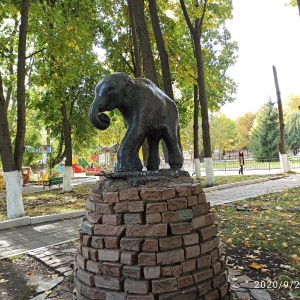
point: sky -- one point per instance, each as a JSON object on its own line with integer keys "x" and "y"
{"x": 267, "y": 33}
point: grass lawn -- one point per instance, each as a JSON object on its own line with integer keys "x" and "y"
{"x": 262, "y": 237}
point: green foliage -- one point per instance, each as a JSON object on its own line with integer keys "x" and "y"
{"x": 243, "y": 128}
{"x": 223, "y": 132}
{"x": 265, "y": 132}
{"x": 292, "y": 131}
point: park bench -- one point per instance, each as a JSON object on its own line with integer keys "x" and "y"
{"x": 52, "y": 181}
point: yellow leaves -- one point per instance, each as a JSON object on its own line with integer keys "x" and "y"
{"x": 247, "y": 244}
{"x": 3, "y": 281}
{"x": 255, "y": 265}
{"x": 295, "y": 259}
{"x": 229, "y": 241}
{"x": 285, "y": 245}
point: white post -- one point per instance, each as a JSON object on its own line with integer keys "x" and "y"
{"x": 209, "y": 172}
{"x": 197, "y": 168}
{"x": 67, "y": 181}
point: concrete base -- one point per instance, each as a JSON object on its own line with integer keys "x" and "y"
{"x": 153, "y": 239}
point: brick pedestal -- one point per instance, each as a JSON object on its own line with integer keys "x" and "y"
{"x": 152, "y": 240}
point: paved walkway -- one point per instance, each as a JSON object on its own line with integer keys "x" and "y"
{"x": 34, "y": 238}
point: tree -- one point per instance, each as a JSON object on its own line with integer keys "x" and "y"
{"x": 12, "y": 159}
{"x": 223, "y": 133}
{"x": 292, "y": 131}
{"x": 292, "y": 104}
{"x": 243, "y": 127}
{"x": 265, "y": 133}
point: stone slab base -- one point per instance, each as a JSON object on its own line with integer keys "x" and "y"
{"x": 153, "y": 240}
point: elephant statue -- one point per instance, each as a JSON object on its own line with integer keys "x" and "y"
{"x": 148, "y": 114}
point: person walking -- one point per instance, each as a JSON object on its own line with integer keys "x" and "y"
{"x": 241, "y": 161}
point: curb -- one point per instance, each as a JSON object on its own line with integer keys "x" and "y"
{"x": 242, "y": 183}
{"x": 23, "y": 221}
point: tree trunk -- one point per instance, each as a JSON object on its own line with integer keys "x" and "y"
{"x": 195, "y": 32}
{"x": 284, "y": 161}
{"x": 12, "y": 160}
{"x": 67, "y": 186}
{"x": 298, "y": 2}
{"x": 163, "y": 55}
{"x": 196, "y": 134}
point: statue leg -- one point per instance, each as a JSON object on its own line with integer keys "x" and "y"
{"x": 128, "y": 158}
{"x": 174, "y": 152}
{"x": 153, "y": 159}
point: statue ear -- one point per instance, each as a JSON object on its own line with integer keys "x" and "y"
{"x": 129, "y": 86}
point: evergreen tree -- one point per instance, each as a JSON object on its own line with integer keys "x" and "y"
{"x": 292, "y": 131}
{"x": 265, "y": 133}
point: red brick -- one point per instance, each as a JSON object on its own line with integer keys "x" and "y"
{"x": 204, "y": 261}
{"x": 140, "y": 297}
{"x": 214, "y": 295}
{"x": 133, "y": 218}
{"x": 203, "y": 288}
{"x": 108, "y": 255}
{"x": 219, "y": 279}
{"x": 112, "y": 242}
{"x": 97, "y": 242}
{"x": 209, "y": 245}
{"x": 121, "y": 207}
{"x": 176, "y": 204}
{"x": 196, "y": 188}
{"x": 171, "y": 270}
{"x": 112, "y": 219}
{"x": 170, "y": 257}
{"x": 216, "y": 267}
{"x": 202, "y": 198}
{"x": 136, "y": 286}
{"x": 93, "y": 254}
{"x": 201, "y": 221}
{"x": 129, "y": 194}
{"x": 86, "y": 240}
{"x": 104, "y": 229}
{"x": 81, "y": 261}
{"x": 132, "y": 271}
{"x": 129, "y": 258}
{"x": 201, "y": 209}
{"x": 112, "y": 283}
{"x": 190, "y": 239}
{"x": 85, "y": 252}
{"x": 185, "y": 281}
{"x": 94, "y": 217}
{"x": 151, "y": 272}
{"x": 86, "y": 277}
{"x": 93, "y": 266}
{"x": 111, "y": 269}
{"x": 188, "y": 265}
{"x": 153, "y": 218}
{"x": 136, "y": 206}
{"x": 164, "y": 285}
{"x": 110, "y": 197}
{"x": 170, "y": 242}
{"x": 168, "y": 193}
{"x": 146, "y": 259}
{"x": 146, "y": 230}
{"x": 214, "y": 254}
{"x": 183, "y": 190}
{"x": 192, "y": 200}
{"x": 207, "y": 232}
{"x": 96, "y": 197}
{"x": 156, "y": 207}
{"x": 79, "y": 247}
{"x": 150, "y": 245}
{"x": 181, "y": 228}
{"x": 115, "y": 296}
{"x": 169, "y": 217}
{"x": 223, "y": 289}
{"x": 93, "y": 293}
{"x": 150, "y": 194}
{"x": 131, "y": 244}
{"x": 104, "y": 208}
{"x": 192, "y": 251}
{"x": 221, "y": 249}
{"x": 202, "y": 275}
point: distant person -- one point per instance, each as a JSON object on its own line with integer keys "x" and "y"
{"x": 241, "y": 161}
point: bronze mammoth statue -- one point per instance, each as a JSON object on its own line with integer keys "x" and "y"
{"x": 148, "y": 113}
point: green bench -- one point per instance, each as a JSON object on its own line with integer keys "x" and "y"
{"x": 52, "y": 181}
